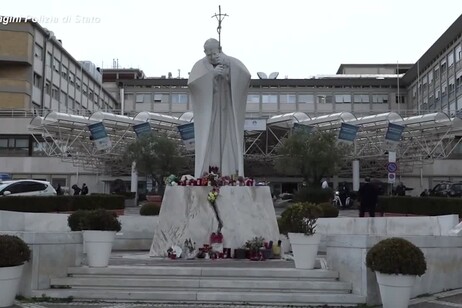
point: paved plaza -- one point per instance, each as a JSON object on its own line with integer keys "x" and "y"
{"x": 447, "y": 299}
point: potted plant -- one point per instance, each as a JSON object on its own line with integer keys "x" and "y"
{"x": 14, "y": 252}
{"x": 99, "y": 228}
{"x": 254, "y": 246}
{"x": 396, "y": 263}
{"x": 299, "y": 223}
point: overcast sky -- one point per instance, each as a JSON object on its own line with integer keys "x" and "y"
{"x": 297, "y": 38}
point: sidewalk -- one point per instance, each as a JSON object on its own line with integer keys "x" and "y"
{"x": 441, "y": 300}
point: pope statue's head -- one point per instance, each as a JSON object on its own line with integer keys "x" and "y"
{"x": 212, "y": 51}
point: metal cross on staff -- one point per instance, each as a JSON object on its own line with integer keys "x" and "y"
{"x": 220, "y": 18}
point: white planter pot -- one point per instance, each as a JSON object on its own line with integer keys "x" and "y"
{"x": 98, "y": 247}
{"x": 395, "y": 290}
{"x": 305, "y": 249}
{"x": 9, "y": 284}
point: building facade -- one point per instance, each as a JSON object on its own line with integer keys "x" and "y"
{"x": 38, "y": 75}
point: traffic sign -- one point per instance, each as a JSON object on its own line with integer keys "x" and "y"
{"x": 391, "y": 178}
{"x": 392, "y": 167}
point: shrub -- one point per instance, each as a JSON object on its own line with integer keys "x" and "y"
{"x": 300, "y": 218}
{"x": 77, "y": 220}
{"x": 13, "y": 251}
{"x": 150, "y": 209}
{"x": 396, "y": 256}
{"x": 100, "y": 219}
{"x": 314, "y": 195}
{"x": 328, "y": 210}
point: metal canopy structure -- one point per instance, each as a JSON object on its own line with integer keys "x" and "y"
{"x": 263, "y": 144}
{"x": 330, "y": 121}
{"x": 68, "y": 136}
{"x": 425, "y": 137}
{"x": 287, "y": 120}
{"x": 428, "y": 137}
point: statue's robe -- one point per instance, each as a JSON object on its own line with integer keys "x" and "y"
{"x": 219, "y": 105}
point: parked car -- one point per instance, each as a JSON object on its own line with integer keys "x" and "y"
{"x": 283, "y": 200}
{"x": 26, "y": 188}
{"x": 447, "y": 189}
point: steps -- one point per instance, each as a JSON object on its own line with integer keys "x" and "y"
{"x": 204, "y": 284}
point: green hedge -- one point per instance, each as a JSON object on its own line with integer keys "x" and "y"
{"x": 49, "y": 204}
{"x": 428, "y": 206}
{"x": 328, "y": 210}
{"x": 125, "y": 194}
{"x": 314, "y": 195}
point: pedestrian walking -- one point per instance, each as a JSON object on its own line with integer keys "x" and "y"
{"x": 368, "y": 196}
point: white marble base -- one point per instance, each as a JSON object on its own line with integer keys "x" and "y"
{"x": 246, "y": 212}
{"x": 457, "y": 230}
{"x": 136, "y": 231}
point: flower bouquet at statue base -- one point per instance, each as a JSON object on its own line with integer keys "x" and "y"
{"x": 216, "y": 243}
{"x": 189, "y": 248}
{"x": 174, "y": 252}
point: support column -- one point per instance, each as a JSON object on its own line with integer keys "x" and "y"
{"x": 134, "y": 178}
{"x": 335, "y": 182}
{"x": 391, "y": 159}
{"x": 122, "y": 100}
{"x": 355, "y": 166}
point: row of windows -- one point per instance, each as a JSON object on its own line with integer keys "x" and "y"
{"x": 61, "y": 96}
{"x": 20, "y": 145}
{"x": 254, "y": 98}
{"x": 442, "y": 104}
{"x": 451, "y": 81}
{"x": 453, "y": 57}
{"x": 441, "y": 91}
{"x": 63, "y": 70}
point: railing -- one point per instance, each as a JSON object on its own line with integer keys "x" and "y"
{"x": 17, "y": 113}
{"x": 28, "y": 113}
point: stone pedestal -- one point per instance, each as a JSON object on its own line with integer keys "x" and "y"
{"x": 246, "y": 212}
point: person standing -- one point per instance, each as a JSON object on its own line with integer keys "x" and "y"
{"x": 59, "y": 190}
{"x": 76, "y": 189}
{"x": 218, "y": 85}
{"x": 84, "y": 189}
{"x": 368, "y": 196}
{"x": 401, "y": 189}
{"x": 344, "y": 193}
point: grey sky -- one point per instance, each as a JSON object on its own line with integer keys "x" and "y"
{"x": 297, "y": 38}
